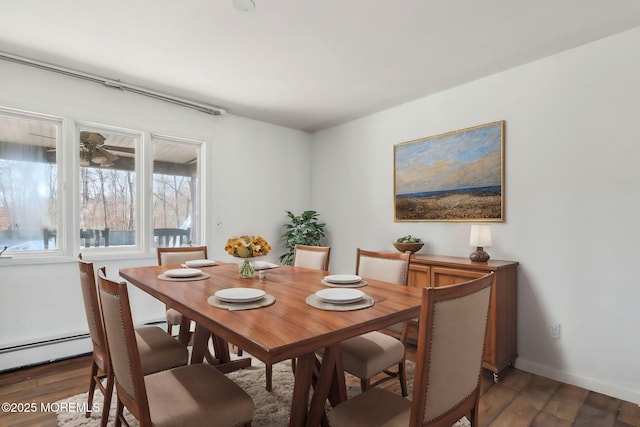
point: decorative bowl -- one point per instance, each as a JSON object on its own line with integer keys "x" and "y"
{"x": 411, "y": 247}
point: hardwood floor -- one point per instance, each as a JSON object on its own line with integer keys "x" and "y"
{"x": 519, "y": 399}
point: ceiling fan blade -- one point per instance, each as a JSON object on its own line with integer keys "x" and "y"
{"x": 110, "y": 156}
{"x": 91, "y": 138}
{"x": 127, "y": 150}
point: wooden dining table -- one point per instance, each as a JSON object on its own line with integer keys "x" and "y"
{"x": 289, "y": 328}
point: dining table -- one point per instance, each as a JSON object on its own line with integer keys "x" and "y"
{"x": 292, "y": 325}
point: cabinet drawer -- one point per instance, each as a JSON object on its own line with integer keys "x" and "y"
{"x": 443, "y": 276}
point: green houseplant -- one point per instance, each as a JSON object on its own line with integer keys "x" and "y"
{"x": 303, "y": 229}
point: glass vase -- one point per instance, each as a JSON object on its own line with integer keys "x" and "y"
{"x": 245, "y": 269}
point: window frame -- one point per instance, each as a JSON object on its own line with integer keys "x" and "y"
{"x": 61, "y": 165}
{"x": 197, "y": 225}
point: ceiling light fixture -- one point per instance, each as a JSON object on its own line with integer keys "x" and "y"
{"x": 244, "y": 5}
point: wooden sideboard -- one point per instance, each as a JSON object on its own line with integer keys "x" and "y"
{"x": 500, "y": 346}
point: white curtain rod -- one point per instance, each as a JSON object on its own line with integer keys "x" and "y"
{"x": 209, "y": 109}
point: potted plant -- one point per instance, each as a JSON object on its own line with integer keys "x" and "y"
{"x": 303, "y": 229}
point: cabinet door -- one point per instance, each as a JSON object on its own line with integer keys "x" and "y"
{"x": 443, "y": 276}
{"x": 419, "y": 275}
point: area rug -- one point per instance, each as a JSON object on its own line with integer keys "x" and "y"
{"x": 271, "y": 410}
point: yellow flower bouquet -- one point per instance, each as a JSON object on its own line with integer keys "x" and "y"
{"x": 247, "y": 247}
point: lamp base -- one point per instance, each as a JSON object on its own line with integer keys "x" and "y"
{"x": 479, "y": 255}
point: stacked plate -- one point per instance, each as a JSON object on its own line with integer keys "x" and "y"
{"x": 200, "y": 263}
{"x": 339, "y": 296}
{"x": 183, "y": 272}
{"x": 240, "y": 295}
{"x": 341, "y": 279}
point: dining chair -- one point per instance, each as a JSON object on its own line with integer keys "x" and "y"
{"x": 370, "y": 354}
{"x": 316, "y": 257}
{"x": 179, "y": 255}
{"x": 191, "y": 395}
{"x": 446, "y": 386}
{"x": 157, "y": 349}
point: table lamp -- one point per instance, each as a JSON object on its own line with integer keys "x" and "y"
{"x": 480, "y": 237}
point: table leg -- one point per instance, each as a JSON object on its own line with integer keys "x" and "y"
{"x": 185, "y": 325}
{"x": 329, "y": 383}
{"x": 301, "y": 388}
{"x": 221, "y": 359}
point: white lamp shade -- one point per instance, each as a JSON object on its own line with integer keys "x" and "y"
{"x": 480, "y": 235}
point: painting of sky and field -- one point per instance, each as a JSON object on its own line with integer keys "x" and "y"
{"x": 457, "y": 176}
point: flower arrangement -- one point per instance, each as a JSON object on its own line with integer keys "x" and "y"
{"x": 247, "y": 246}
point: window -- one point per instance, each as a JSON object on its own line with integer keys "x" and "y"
{"x": 175, "y": 191}
{"x": 108, "y": 182}
{"x": 110, "y": 204}
{"x": 29, "y": 203}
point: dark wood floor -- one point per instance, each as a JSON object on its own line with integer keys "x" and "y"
{"x": 519, "y": 399}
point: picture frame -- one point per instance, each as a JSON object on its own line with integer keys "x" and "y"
{"x": 455, "y": 176}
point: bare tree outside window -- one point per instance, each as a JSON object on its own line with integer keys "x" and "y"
{"x": 107, "y": 188}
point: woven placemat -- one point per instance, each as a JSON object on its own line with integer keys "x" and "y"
{"x": 359, "y": 284}
{"x": 316, "y": 302}
{"x": 265, "y": 301}
{"x": 200, "y": 276}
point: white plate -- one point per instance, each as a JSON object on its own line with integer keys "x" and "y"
{"x": 183, "y": 272}
{"x": 340, "y": 295}
{"x": 199, "y": 263}
{"x": 240, "y": 294}
{"x": 343, "y": 278}
{"x": 263, "y": 265}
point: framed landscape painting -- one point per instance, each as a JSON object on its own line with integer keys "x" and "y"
{"x": 456, "y": 176}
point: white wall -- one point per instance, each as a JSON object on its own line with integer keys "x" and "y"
{"x": 572, "y": 201}
{"x": 254, "y": 173}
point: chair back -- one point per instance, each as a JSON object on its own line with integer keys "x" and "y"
{"x": 121, "y": 338}
{"x": 92, "y": 310}
{"x": 171, "y": 256}
{"x": 172, "y": 237}
{"x": 453, "y": 325}
{"x": 392, "y": 267}
{"x": 316, "y": 257}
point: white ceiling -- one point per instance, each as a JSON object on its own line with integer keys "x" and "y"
{"x": 304, "y": 64}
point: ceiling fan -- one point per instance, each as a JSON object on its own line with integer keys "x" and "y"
{"x": 93, "y": 150}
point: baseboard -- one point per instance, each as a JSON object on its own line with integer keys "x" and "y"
{"x": 589, "y": 383}
{"x": 21, "y": 355}
{"x": 29, "y": 355}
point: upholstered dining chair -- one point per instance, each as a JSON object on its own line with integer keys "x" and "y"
{"x": 179, "y": 255}
{"x": 191, "y": 395}
{"x": 446, "y": 386}
{"x": 316, "y": 257}
{"x": 370, "y": 354}
{"x": 157, "y": 349}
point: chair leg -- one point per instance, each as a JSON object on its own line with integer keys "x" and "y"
{"x": 92, "y": 388}
{"x": 402, "y": 376}
{"x": 169, "y": 328}
{"x": 119, "y": 414}
{"x": 106, "y": 405}
{"x": 365, "y": 384}
{"x": 269, "y": 376}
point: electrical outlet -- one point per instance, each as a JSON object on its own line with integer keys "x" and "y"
{"x": 555, "y": 331}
